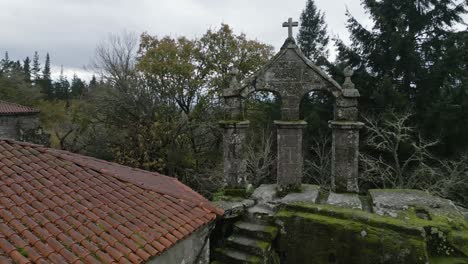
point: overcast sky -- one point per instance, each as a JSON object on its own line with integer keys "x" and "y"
{"x": 70, "y": 29}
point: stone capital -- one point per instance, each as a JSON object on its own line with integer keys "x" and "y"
{"x": 234, "y": 123}
{"x": 351, "y": 93}
{"x": 345, "y": 125}
{"x": 300, "y": 124}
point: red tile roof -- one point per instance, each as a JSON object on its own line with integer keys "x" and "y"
{"x": 7, "y": 108}
{"x": 60, "y": 207}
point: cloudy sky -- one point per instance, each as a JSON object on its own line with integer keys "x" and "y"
{"x": 70, "y": 29}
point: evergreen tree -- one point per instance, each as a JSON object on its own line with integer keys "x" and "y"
{"x": 62, "y": 88}
{"x": 46, "y": 71}
{"x": 27, "y": 69}
{"x": 45, "y": 82}
{"x": 36, "y": 68}
{"x": 93, "y": 83}
{"x": 5, "y": 64}
{"x": 313, "y": 38}
{"x": 403, "y": 60}
{"x": 77, "y": 87}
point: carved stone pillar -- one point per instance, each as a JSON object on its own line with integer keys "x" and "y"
{"x": 290, "y": 158}
{"x": 345, "y": 136}
{"x": 234, "y": 136}
{"x": 234, "y": 140}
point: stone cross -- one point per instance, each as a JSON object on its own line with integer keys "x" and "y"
{"x": 290, "y": 24}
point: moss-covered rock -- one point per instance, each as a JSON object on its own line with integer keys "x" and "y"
{"x": 313, "y": 233}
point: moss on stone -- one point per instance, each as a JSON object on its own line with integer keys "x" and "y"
{"x": 459, "y": 240}
{"x": 237, "y": 193}
{"x": 337, "y": 239}
{"x": 217, "y": 196}
{"x": 384, "y": 239}
{"x": 448, "y": 260}
{"x": 262, "y": 244}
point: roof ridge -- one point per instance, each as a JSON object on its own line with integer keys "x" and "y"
{"x": 32, "y": 109}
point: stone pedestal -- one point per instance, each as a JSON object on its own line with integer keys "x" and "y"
{"x": 345, "y": 155}
{"x": 234, "y": 140}
{"x": 290, "y": 155}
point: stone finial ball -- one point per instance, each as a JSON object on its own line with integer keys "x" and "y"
{"x": 348, "y": 72}
{"x": 234, "y": 71}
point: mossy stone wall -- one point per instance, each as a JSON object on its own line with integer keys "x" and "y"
{"x": 316, "y": 239}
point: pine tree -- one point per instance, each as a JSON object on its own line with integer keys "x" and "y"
{"x": 313, "y": 38}
{"x": 77, "y": 87}
{"x": 5, "y": 64}
{"x": 62, "y": 88}
{"x": 403, "y": 60}
{"x": 46, "y": 71}
{"x": 45, "y": 82}
{"x": 36, "y": 68}
{"x": 93, "y": 83}
{"x": 27, "y": 69}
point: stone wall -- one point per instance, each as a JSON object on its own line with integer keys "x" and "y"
{"x": 197, "y": 245}
{"x": 10, "y": 126}
{"x": 309, "y": 238}
{"x": 392, "y": 226}
{"x": 23, "y": 128}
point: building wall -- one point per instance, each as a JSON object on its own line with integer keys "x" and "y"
{"x": 187, "y": 250}
{"x": 23, "y": 128}
{"x": 8, "y": 127}
{"x": 29, "y": 122}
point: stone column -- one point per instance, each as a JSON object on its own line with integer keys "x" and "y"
{"x": 234, "y": 136}
{"x": 345, "y": 156}
{"x": 290, "y": 158}
{"x": 234, "y": 140}
{"x": 345, "y": 139}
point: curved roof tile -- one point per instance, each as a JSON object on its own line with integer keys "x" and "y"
{"x": 60, "y": 207}
{"x": 7, "y": 108}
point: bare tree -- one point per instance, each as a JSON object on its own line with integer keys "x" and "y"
{"x": 260, "y": 159}
{"x": 318, "y": 166}
{"x": 450, "y": 180}
{"x": 115, "y": 59}
{"x": 388, "y": 166}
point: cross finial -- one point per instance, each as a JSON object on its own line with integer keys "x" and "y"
{"x": 290, "y": 24}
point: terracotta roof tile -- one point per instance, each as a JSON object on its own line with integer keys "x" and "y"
{"x": 59, "y": 207}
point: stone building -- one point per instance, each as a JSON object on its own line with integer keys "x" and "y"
{"x": 60, "y": 207}
{"x": 21, "y": 123}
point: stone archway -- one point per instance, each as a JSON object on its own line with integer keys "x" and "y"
{"x": 291, "y": 75}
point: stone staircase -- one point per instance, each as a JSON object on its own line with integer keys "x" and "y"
{"x": 251, "y": 240}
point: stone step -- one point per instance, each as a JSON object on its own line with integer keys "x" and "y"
{"x": 257, "y": 231}
{"x": 232, "y": 256}
{"x": 260, "y": 214}
{"x": 249, "y": 245}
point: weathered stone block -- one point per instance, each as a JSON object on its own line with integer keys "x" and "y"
{"x": 345, "y": 156}
{"x": 234, "y": 140}
{"x": 351, "y": 93}
{"x": 347, "y": 200}
{"x": 346, "y": 102}
{"x": 233, "y": 108}
{"x": 339, "y": 235}
{"x": 346, "y": 114}
{"x": 290, "y": 155}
